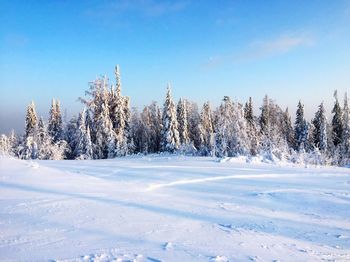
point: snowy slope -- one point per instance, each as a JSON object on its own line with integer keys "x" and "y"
{"x": 172, "y": 209}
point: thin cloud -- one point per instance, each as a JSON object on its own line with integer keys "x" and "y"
{"x": 263, "y": 49}
{"x": 280, "y": 45}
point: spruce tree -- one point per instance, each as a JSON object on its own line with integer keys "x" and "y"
{"x": 251, "y": 127}
{"x": 248, "y": 111}
{"x": 120, "y": 117}
{"x": 105, "y": 136}
{"x": 31, "y": 120}
{"x": 287, "y": 129}
{"x": 320, "y": 129}
{"x": 300, "y": 129}
{"x": 13, "y": 143}
{"x": 44, "y": 141}
{"x": 337, "y": 122}
{"x": 170, "y": 133}
{"x": 183, "y": 122}
{"x": 4, "y": 145}
{"x": 83, "y": 148}
{"x": 206, "y": 129}
{"x": 345, "y": 152}
{"x": 223, "y": 128}
{"x": 30, "y": 147}
{"x": 264, "y": 117}
{"x": 193, "y": 117}
{"x": 55, "y": 127}
{"x": 156, "y": 127}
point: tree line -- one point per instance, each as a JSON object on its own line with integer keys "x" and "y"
{"x": 107, "y": 127}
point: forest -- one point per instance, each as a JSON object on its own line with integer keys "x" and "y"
{"x": 107, "y": 127}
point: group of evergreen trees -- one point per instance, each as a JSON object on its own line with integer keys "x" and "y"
{"x": 108, "y": 128}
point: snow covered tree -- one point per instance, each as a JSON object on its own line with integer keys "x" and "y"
{"x": 248, "y": 111}
{"x": 170, "y": 133}
{"x": 71, "y": 131}
{"x": 193, "y": 117}
{"x": 231, "y": 130}
{"x": 183, "y": 122}
{"x": 120, "y": 117}
{"x": 9, "y": 144}
{"x": 240, "y": 143}
{"x": 264, "y": 117}
{"x": 251, "y": 127}
{"x": 206, "y": 129}
{"x": 152, "y": 116}
{"x": 287, "y": 129}
{"x": 44, "y": 141}
{"x": 345, "y": 151}
{"x": 83, "y": 147}
{"x": 30, "y": 148}
{"x": 55, "y": 127}
{"x": 127, "y": 136}
{"x": 337, "y": 122}
{"x": 4, "y": 145}
{"x": 105, "y": 146}
{"x": 31, "y": 120}
{"x": 47, "y": 149}
{"x": 300, "y": 129}
{"x": 222, "y": 132}
{"x": 320, "y": 129}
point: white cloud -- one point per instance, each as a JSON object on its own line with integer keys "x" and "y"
{"x": 261, "y": 49}
{"x": 282, "y": 44}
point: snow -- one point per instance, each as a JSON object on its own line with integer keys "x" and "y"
{"x": 172, "y": 208}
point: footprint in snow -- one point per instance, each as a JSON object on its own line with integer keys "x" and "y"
{"x": 341, "y": 236}
{"x": 153, "y": 259}
{"x": 168, "y": 246}
{"x": 219, "y": 259}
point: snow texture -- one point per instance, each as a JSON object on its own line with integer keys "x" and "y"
{"x": 172, "y": 208}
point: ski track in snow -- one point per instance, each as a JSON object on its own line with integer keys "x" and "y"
{"x": 172, "y": 209}
{"x": 203, "y": 180}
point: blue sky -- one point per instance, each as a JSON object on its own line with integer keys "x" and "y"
{"x": 289, "y": 50}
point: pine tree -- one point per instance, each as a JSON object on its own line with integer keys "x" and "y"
{"x": 251, "y": 127}
{"x": 300, "y": 129}
{"x": 345, "y": 152}
{"x": 83, "y": 148}
{"x": 14, "y": 143}
{"x": 193, "y": 117}
{"x": 155, "y": 127}
{"x": 287, "y": 129}
{"x": 55, "y": 127}
{"x": 140, "y": 130}
{"x": 320, "y": 129}
{"x": 223, "y": 128}
{"x": 4, "y": 145}
{"x": 170, "y": 133}
{"x": 44, "y": 141}
{"x": 264, "y": 117}
{"x": 129, "y": 147}
{"x": 120, "y": 117}
{"x": 337, "y": 122}
{"x": 30, "y": 148}
{"x": 248, "y": 112}
{"x": 206, "y": 129}
{"x": 183, "y": 122}
{"x": 31, "y": 120}
{"x": 105, "y": 146}
{"x": 9, "y": 144}
{"x": 240, "y": 142}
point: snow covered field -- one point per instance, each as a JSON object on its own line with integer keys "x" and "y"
{"x": 172, "y": 209}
